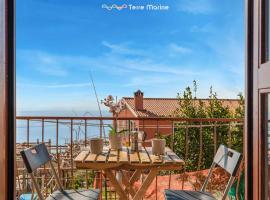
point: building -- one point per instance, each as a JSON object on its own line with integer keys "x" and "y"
{"x": 140, "y": 107}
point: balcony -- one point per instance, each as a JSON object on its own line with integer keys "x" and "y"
{"x": 194, "y": 140}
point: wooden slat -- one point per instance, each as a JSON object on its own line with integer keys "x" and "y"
{"x": 135, "y": 176}
{"x": 118, "y": 187}
{"x": 145, "y": 185}
{"x": 113, "y": 156}
{"x": 173, "y": 156}
{"x": 133, "y": 156}
{"x": 103, "y": 157}
{"x": 154, "y": 159}
{"x": 144, "y": 158}
{"x": 91, "y": 158}
{"x": 167, "y": 159}
{"x": 82, "y": 156}
{"x": 123, "y": 155}
{"x": 128, "y": 185}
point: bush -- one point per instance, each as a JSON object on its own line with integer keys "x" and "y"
{"x": 200, "y": 157}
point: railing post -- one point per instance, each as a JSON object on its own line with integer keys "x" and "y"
{"x": 156, "y": 186}
{"x": 50, "y": 145}
{"x": 172, "y": 147}
{"x": 170, "y": 179}
{"x": 215, "y": 138}
{"x": 157, "y": 128}
{"x": 105, "y": 185}
{"x": 85, "y": 144}
{"x": 28, "y": 133}
{"x": 187, "y": 143}
{"x": 229, "y": 136}
{"x": 100, "y": 183}
{"x": 143, "y": 128}
{"x": 172, "y": 136}
{"x": 71, "y": 151}
{"x": 100, "y": 128}
{"x": 57, "y": 148}
{"x": 42, "y": 122}
{"x": 201, "y": 148}
{"x": 85, "y": 132}
{"x": 86, "y": 179}
{"x": 129, "y": 130}
{"x": 186, "y": 153}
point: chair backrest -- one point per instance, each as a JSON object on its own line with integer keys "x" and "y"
{"x": 35, "y": 157}
{"x": 230, "y": 161}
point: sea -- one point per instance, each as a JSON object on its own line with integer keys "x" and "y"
{"x": 64, "y": 127}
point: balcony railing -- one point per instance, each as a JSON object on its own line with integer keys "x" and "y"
{"x": 195, "y": 140}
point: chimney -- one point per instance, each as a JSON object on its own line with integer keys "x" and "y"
{"x": 138, "y": 100}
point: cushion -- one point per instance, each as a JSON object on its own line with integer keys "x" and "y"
{"x": 187, "y": 195}
{"x": 82, "y": 194}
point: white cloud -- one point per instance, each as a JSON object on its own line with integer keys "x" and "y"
{"x": 152, "y": 81}
{"x": 207, "y": 28}
{"x": 123, "y": 49}
{"x": 42, "y": 62}
{"x": 197, "y": 6}
{"x": 74, "y": 85}
{"x": 116, "y": 62}
{"x": 149, "y": 69}
{"x": 230, "y": 52}
{"x": 175, "y": 48}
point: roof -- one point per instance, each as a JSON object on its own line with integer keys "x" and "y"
{"x": 165, "y": 107}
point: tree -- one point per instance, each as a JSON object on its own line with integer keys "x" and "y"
{"x": 196, "y": 155}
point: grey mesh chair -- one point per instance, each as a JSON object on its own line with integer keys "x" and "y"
{"x": 37, "y": 156}
{"x": 227, "y": 159}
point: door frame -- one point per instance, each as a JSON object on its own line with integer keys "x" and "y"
{"x": 7, "y": 99}
{"x": 262, "y": 144}
{"x": 257, "y": 83}
{"x": 249, "y": 63}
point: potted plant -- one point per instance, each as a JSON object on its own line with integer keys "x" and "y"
{"x": 158, "y": 144}
{"x": 115, "y": 138}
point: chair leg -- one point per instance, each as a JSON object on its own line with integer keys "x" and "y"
{"x": 40, "y": 196}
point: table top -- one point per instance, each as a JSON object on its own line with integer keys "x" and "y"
{"x": 127, "y": 159}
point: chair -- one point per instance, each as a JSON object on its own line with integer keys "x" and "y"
{"x": 227, "y": 159}
{"x": 37, "y": 156}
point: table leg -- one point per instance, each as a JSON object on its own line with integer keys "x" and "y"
{"x": 135, "y": 176}
{"x": 116, "y": 185}
{"x": 149, "y": 179}
{"x": 129, "y": 187}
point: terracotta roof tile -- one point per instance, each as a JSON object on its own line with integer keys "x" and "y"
{"x": 164, "y": 107}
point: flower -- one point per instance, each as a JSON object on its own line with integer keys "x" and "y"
{"x": 115, "y": 107}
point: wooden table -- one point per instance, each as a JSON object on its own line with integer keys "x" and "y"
{"x": 125, "y": 159}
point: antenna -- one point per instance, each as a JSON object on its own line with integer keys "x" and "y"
{"x": 100, "y": 113}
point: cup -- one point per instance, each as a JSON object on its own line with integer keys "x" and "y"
{"x": 158, "y": 146}
{"x": 96, "y": 145}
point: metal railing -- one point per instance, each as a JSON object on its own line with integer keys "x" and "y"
{"x": 66, "y": 136}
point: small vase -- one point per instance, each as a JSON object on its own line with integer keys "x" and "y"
{"x": 158, "y": 146}
{"x": 96, "y": 145}
{"x": 115, "y": 142}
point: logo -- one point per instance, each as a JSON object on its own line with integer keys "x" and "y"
{"x": 114, "y": 6}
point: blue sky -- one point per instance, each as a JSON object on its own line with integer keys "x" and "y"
{"x": 160, "y": 52}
